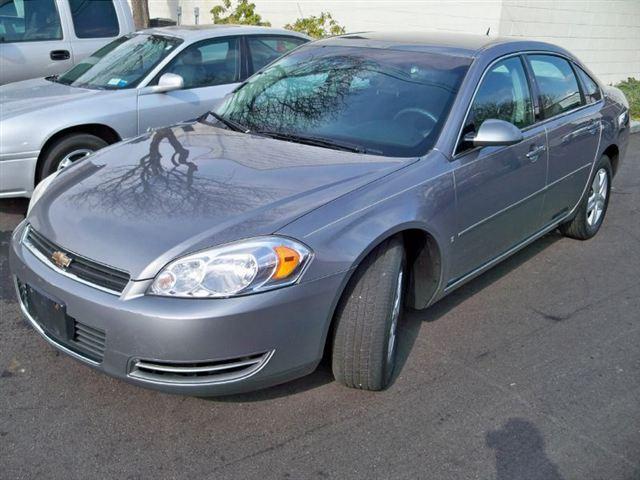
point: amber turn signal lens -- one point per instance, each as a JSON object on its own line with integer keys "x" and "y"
{"x": 288, "y": 260}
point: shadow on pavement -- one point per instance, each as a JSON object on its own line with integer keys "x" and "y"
{"x": 520, "y": 455}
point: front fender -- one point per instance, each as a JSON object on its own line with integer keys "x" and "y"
{"x": 418, "y": 197}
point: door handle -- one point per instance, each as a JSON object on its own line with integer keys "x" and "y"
{"x": 594, "y": 127}
{"x": 534, "y": 153}
{"x": 59, "y": 55}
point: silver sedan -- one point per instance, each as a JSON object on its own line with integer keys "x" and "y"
{"x": 149, "y": 79}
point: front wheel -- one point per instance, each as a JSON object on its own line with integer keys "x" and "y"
{"x": 593, "y": 206}
{"x": 68, "y": 150}
{"x": 366, "y": 330}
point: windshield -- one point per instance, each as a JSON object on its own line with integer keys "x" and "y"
{"x": 122, "y": 63}
{"x": 388, "y": 102}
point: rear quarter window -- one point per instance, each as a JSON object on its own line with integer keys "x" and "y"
{"x": 591, "y": 89}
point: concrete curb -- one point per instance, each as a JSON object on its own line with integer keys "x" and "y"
{"x": 635, "y": 126}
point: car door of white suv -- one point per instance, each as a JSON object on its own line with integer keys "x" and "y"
{"x": 34, "y": 40}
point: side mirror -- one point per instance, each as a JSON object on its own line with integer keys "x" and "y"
{"x": 495, "y": 133}
{"x": 168, "y": 82}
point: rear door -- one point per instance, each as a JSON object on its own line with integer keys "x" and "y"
{"x": 573, "y": 124}
{"x": 500, "y": 190}
{"x": 94, "y": 23}
{"x": 210, "y": 69}
{"x": 33, "y": 40}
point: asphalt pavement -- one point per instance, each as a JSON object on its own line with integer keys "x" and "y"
{"x": 531, "y": 371}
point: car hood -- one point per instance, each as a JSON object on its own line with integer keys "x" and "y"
{"x": 30, "y": 95}
{"x": 138, "y": 204}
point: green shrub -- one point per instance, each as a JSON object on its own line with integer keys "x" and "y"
{"x": 631, "y": 88}
{"x": 317, "y": 27}
{"x": 243, "y": 14}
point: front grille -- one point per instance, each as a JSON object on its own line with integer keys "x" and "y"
{"x": 199, "y": 372}
{"x": 89, "y": 339}
{"x": 88, "y": 271}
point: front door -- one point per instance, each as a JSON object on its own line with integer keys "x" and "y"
{"x": 500, "y": 190}
{"x": 210, "y": 70}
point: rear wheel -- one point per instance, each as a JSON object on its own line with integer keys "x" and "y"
{"x": 366, "y": 330}
{"x": 67, "y": 150}
{"x": 593, "y": 207}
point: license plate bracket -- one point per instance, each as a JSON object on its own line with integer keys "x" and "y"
{"x": 47, "y": 312}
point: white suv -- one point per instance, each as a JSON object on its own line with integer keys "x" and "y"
{"x": 39, "y": 38}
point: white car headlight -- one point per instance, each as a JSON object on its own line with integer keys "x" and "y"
{"x": 40, "y": 189}
{"x": 239, "y": 268}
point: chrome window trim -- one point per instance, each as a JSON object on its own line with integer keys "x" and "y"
{"x": 44, "y": 335}
{"x": 48, "y": 263}
{"x": 455, "y": 156}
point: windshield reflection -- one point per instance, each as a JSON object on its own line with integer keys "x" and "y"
{"x": 388, "y": 101}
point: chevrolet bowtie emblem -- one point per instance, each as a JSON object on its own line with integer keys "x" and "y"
{"x": 61, "y": 259}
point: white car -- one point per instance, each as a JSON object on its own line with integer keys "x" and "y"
{"x": 149, "y": 79}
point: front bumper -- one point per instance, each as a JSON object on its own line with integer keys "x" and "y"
{"x": 17, "y": 174}
{"x": 268, "y": 338}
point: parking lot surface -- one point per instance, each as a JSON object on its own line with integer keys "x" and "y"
{"x": 531, "y": 371}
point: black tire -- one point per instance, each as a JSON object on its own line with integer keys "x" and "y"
{"x": 63, "y": 147}
{"x": 363, "y": 319}
{"x": 579, "y": 227}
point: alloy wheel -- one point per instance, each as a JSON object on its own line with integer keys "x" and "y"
{"x": 597, "y": 197}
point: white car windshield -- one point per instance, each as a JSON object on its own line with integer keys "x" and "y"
{"x": 121, "y": 64}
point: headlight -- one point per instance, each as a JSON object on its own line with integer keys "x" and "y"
{"x": 238, "y": 268}
{"x": 40, "y": 189}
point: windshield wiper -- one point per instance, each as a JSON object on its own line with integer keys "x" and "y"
{"x": 316, "y": 141}
{"x": 230, "y": 123}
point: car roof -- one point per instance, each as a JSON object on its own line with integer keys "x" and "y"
{"x": 201, "y": 32}
{"x": 458, "y": 44}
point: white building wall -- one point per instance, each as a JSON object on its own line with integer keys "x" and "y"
{"x": 605, "y": 34}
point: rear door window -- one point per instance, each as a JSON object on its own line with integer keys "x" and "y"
{"x": 264, "y": 49}
{"x": 94, "y": 18}
{"x": 29, "y": 21}
{"x": 557, "y": 84}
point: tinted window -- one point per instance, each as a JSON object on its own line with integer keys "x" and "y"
{"x": 214, "y": 62}
{"x": 29, "y": 21}
{"x": 120, "y": 64}
{"x": 94, "y": 18}
{"x": 389, "y": 102}
{"x": 557, "y": 83}
{"x": 591, "y": 90}
{"x": 265, "y": 49}
{"x": 503, "y": 95}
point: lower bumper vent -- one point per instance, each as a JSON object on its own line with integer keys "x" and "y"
{"x": 91, "y": 340}
{"x": 201, "y": 372}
